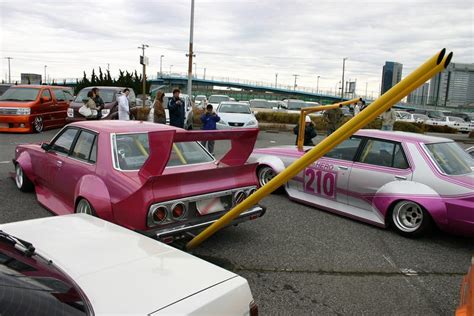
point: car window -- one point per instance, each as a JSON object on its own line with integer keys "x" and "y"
{"x": 63, "y": 143}
{"x": 345, "y": 150}
{"x": 384, "y": 153}
{"x": 93, "y": 157}
{"x": 132, "y": 150}
{"x": 59, "y": 94}
{"x": 450, "y": 158}
{"x": 82, "y": 148}
{"x": 234, "y": 108}
{"x": 20, "y": 94}
{"x": 107, "y": 95}
{"x": 46, "y": 94}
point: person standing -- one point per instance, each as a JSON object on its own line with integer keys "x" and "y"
{"x": 176, "y": 109}
{"x": 123, "y": 106}
{"x": 333, "y": 118}
{"x": 209, "y": 120}
{"x": 159, "y": 114}
{"x": 356, "y": 109}
{"x": 98, "y": 101}
{"x": 309, "y": 132}
{"x": 388, "y": 119}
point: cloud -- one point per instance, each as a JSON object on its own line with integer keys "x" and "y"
{"x": 244, "y": 39}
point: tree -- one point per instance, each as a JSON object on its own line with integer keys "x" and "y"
{"x": 93, "y": 77}
{"x": 101, "y": 75}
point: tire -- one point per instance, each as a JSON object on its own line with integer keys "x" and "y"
{"x": 264, "y": 175}
{"x": 38, "y": 124}
{"x": 21, "y": 180}
{"x": 410, "y": 219}
{"x": 84, "y": 207}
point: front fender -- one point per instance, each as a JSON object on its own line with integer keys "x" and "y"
{"x": 413, "y": 191}
{"x": 94, "y": 190}
{"x": 274, "y": 162}
{"x": 24, "y": 160}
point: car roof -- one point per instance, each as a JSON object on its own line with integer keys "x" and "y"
{"x": 116, "y": 126}
{"x": 107, "y": 87}
{"x": 37, "y": 86}
{"x": 402, "y": 136}
{"x": 170, "y": 94}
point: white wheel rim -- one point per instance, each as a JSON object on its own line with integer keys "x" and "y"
{"x": 84, "y": 207}
{"x": 408, "y": 216}
{"x": 38, "y": 123}
{"x": 265, "y": 175}
{"x": 18, "y": 176}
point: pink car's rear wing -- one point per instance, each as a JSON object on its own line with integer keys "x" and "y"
{"x": 161, "y": 142}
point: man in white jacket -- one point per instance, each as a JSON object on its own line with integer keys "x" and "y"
{"x": 123, "y": 107}
{"x": 388, "y": 119}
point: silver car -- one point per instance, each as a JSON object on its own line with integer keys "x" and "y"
{"x": 409, "y": 181}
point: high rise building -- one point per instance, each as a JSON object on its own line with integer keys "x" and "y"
{"x": 453, "y": 87}
{"x": 420, "y": 95}
{"x": 391, "y": 75}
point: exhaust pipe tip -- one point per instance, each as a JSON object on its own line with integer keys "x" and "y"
{"x": 441, "y": 56}
{"x": 448, "y": 60}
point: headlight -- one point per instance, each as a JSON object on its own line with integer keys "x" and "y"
{"x": 253, "y": 122}
{"x": 23, "y": 111}
{"x": 222, "y": 122}
{"x": 105, "y": 112}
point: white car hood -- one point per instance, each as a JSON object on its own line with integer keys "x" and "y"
{"x": 121, "y": 272}
{"x": 236, "y": 117}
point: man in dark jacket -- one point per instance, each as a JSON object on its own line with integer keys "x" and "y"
{"x": 209, "y": 120}
{"x": 98, "y": 102}
{"x": 176, "y": 109}
{"x": 309, "y": 132}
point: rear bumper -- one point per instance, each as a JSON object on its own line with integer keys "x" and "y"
{"x": 166, "y": 234}
{"x": 15, "y": 123}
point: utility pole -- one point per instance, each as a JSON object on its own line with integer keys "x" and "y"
{"x": 161, "y": 65}
{"x": 45, "y": 79}
{"x": 276, "y": 80}
{"x": 317, "y": 85}
{"x": 9, "y": 73}
{"x": 343, "y": 69}
{"x": 366, "y": 85}
{"x": 294, "y": 87}
{"x": 195, "y": 70}
{"x": 204, "y": 74}
{"x": 143, "y": 61}
{"x": 191, "y": 54}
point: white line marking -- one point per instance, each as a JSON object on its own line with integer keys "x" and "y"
{"x": 5, "y": 161}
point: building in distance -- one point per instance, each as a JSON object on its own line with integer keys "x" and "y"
{"x": 391, "y": 75}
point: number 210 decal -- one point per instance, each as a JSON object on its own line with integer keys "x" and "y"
{"x": 320, "y": 182}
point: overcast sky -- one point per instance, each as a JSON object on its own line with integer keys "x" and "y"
{"x": 238, "y": 39}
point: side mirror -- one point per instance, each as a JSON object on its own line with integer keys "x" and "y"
{"x": 45, "y": 146}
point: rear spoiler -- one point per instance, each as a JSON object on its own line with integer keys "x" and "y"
{"x": 161, "y": 142}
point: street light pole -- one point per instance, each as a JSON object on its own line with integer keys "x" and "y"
{"x": 45, "y": 80}
{"x": 276, "y": 80}
{"x": 294, "y": 87}
{"x": 343, "y": 69}
{"x": 161, "y": 65}
{"x": 9, "y": 73}
{"x": 190, "y": 54}
{"x": 144, "y": 73}
{"x": 204, "y": 74}
{"x": 195, "y": 70}
{"x": 317, "y": 85}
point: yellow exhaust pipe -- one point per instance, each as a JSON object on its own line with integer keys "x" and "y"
{"x": 428, "y": 69}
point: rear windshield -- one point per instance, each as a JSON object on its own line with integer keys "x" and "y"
{"x": 218, "y": 98}
{"x": 261, "y": 104}
{"x": 20, "y": 94}
{"x": 450, "y": 158}
{"x": 107, "y": 95}
{"x": 234, "y": 108}
{"x": 132, "y": 150}
{"x": 296, "y": 105}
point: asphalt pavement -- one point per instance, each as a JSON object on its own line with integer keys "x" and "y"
{"x": 300, "y": 260}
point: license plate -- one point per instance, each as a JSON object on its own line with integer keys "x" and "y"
{"x": 209, "y": 206}
{"x": 3, "y": 125}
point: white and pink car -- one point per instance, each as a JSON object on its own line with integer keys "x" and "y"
{"x": 409, "y": 181}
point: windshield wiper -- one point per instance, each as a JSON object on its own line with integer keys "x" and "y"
{"x": 23, "y": 246}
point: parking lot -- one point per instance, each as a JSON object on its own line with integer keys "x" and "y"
{"x": 300, "y": 260}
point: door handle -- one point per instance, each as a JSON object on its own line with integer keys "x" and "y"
{"x": 400, "y": 177}
{"x": 343, "y": 167}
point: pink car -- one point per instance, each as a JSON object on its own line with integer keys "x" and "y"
{"x": 148, "y": 177}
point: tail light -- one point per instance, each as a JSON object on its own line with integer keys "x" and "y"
{"x": 178, "y": 211}
{"x": 239, "y": 196}
{"x": 253, "y": 308}
{"x": 160, "y": 214}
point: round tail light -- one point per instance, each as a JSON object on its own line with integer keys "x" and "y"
{"x": 178, "y": 211}
{"x": 239, "y": 196}
{"x": 160, "y": 214}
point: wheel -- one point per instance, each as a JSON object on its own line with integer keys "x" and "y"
{"x": 38, "y": 124}
{"x": 410, "y": 219}
{"x": 264, "y": 175}
{"x": 22, "y": 182}
{"x": 83, "y": 206}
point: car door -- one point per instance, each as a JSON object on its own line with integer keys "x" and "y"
{"x": 45, "y": 107}
{"x": 326, "y": 180}
{"x": 378, "y": 163}
{"x": 59, "y": 107}
{"x": 71, "y": 168}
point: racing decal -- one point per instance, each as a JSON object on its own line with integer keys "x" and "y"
{"x": 320, "y": 182}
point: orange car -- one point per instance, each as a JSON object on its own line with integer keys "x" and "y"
{"x": 32, "y": 108}
{"x": 466, "y": 305}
